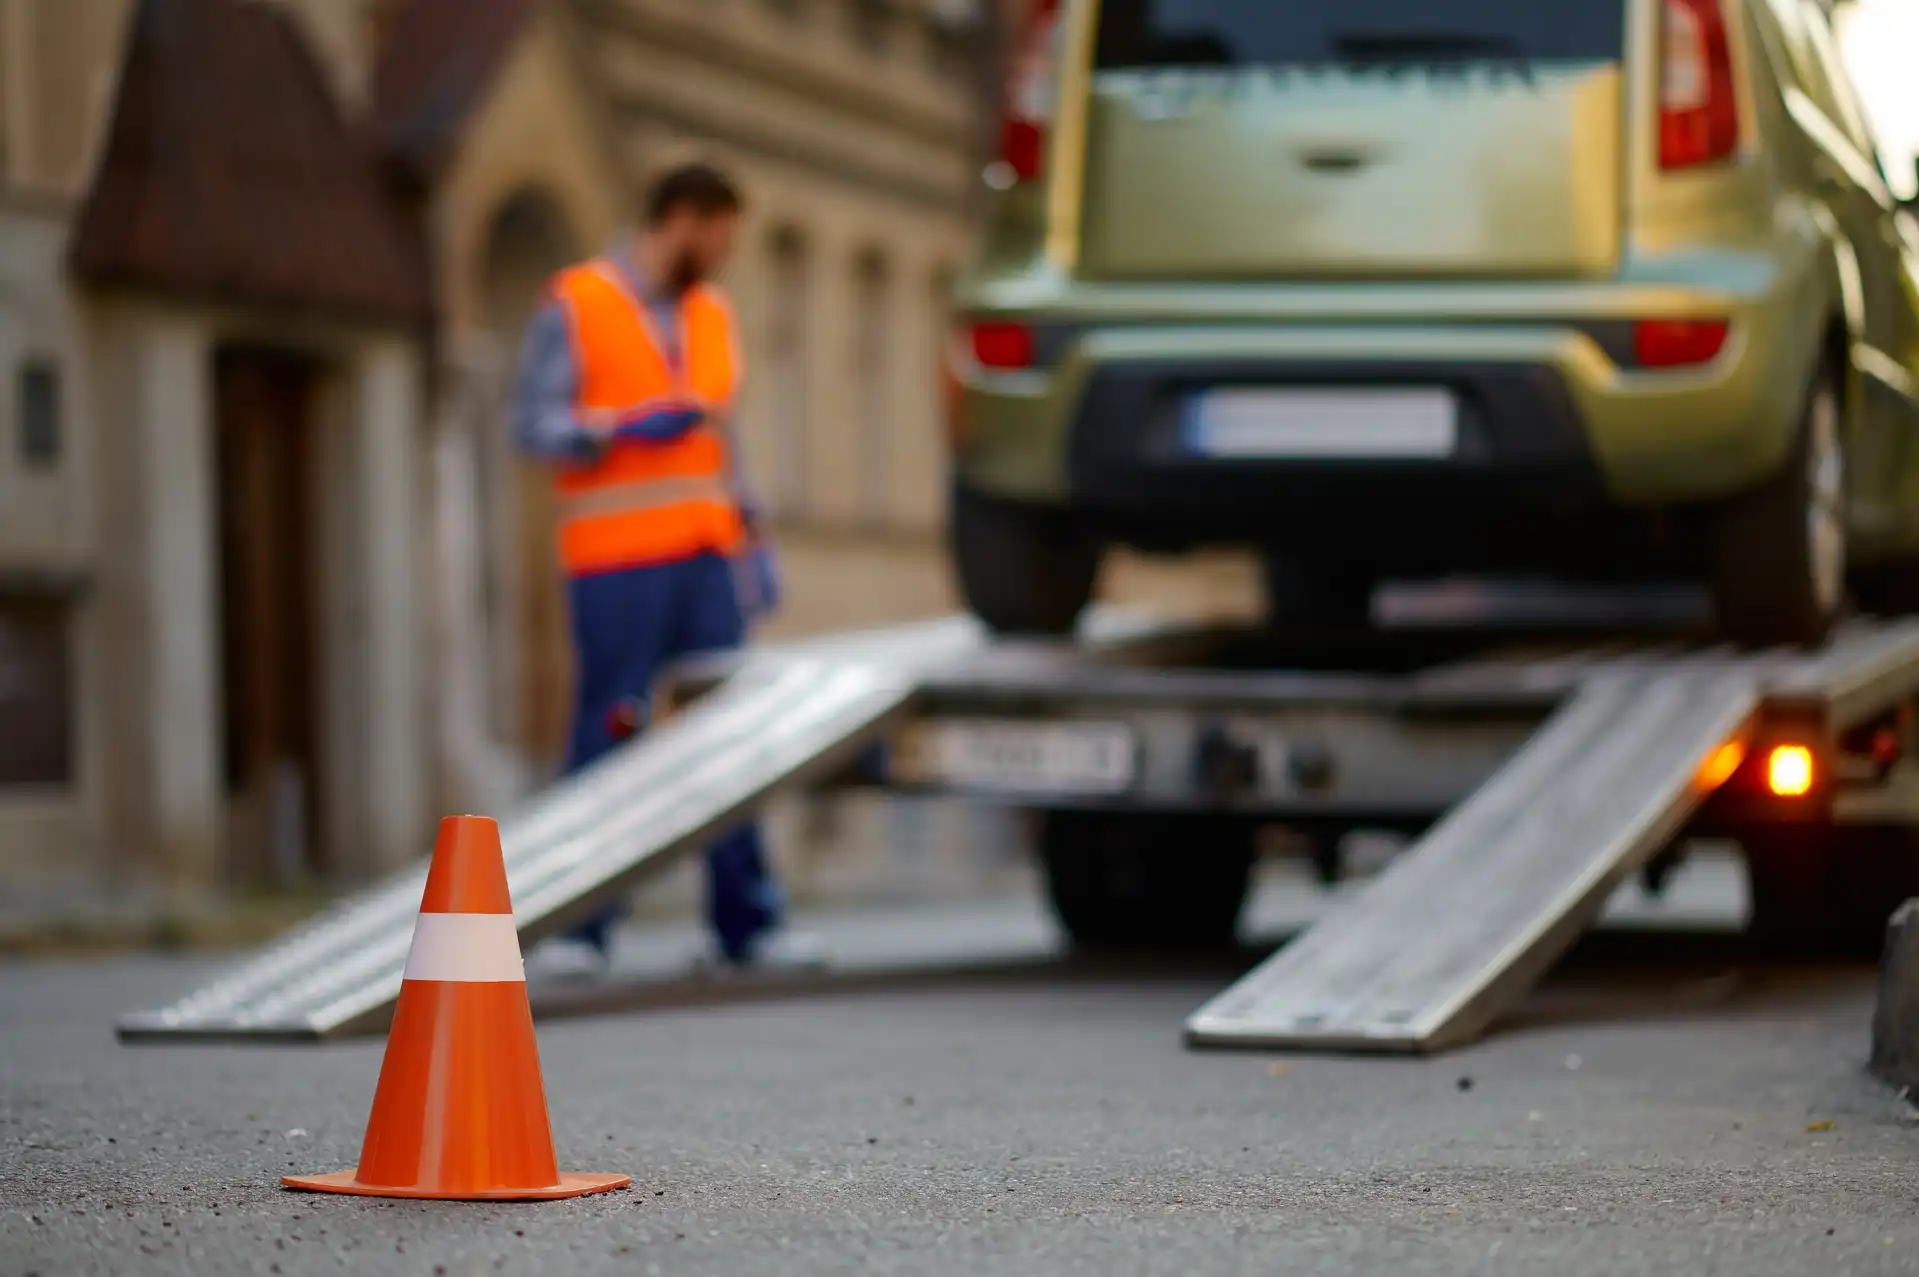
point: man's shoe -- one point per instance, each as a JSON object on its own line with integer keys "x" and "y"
{"x": 780, "y": 952}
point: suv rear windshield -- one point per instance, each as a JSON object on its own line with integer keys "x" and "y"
{"x": 1193, "y": 33}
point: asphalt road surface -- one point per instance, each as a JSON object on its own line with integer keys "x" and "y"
{"x": 1658, "y": 1107}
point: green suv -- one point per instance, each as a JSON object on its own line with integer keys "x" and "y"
{"x": 1404, "y": 288}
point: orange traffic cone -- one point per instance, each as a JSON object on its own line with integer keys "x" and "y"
{"x": 460, "y": 1111}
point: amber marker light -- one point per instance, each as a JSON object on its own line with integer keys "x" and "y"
{"x": 1721, "y": 764}
{"x": 1789, "y": 771}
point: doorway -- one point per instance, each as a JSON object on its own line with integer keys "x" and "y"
{"x": 265, "y": 404}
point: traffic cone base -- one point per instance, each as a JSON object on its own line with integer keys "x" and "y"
{"x": 460, "y": 1110}
{"x": 349, "y": 1182}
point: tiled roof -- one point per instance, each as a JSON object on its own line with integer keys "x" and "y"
{"x": 437, "y": 60}
{"x": 230, "y": 173}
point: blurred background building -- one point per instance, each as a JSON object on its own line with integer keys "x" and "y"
{"x": 274, "y": 590}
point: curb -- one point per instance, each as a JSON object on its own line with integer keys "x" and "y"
{"x": 1895, "y": 1020}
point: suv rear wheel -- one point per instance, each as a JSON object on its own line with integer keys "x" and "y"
{"x": 1024, "y": 569}
{"x": 1131, "y": 880}
{"x": 1779, "y": 551}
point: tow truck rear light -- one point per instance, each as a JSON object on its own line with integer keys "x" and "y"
{"x": 1790, "y": 771}
{"x": 1678, "y": 343}
{"x": 1031, "y": 88}
{"x": 1698, "y": 98}
{"x": 1003, "y": 345}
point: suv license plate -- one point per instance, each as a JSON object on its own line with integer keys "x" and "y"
{"x": 1017, "y": 758}
{"x": 1278, "y": 425}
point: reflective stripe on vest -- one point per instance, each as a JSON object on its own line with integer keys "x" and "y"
{"x": 646, "y": 494}
{"x": 647, "y": 502}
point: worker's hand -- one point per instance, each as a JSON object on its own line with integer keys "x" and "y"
{"x": 590, "y": 447}
{"x": 660, "y": 425}
{"x": 753, "y": 519}
{"x": 757, "y": 574}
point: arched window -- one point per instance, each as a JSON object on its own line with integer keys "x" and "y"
{"x": 875, "y": 413}
{"x": 937, "y": 379}
{"x": 787, "y": 348}
{"x": 527, "y": 241}
{"x": 872, "y": 25}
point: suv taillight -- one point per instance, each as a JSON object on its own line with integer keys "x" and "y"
{"x": 1030, "y": 90}
{"x": 1000, "y": 345}
{"x": 1678, "y": 343}
{"x": 1698, "y": 101}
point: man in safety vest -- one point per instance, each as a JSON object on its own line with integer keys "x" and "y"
{"x": 628, "y": 386}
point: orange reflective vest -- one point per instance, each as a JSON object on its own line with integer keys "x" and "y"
{"x": 645, "y": 501}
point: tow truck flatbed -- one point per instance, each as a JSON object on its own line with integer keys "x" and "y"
{"x": 1539, "y": 766}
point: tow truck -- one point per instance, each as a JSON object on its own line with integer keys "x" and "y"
{"x": 1536, "y": 766}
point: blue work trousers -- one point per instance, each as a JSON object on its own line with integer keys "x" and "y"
{"x": 626, "y": 625}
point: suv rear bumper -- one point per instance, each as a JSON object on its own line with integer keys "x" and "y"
{"x": 1522, "y": 454}
{"x": 1553, "y": 418}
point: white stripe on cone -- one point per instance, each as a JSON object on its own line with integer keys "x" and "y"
{"x": 468, "y": 948}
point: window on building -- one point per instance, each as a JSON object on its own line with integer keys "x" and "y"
{"x": 37, "y": 411}
{"x": 940, "y": 302}
{"x": 940, "y": 326}
{"x": 942, "y": 52}
{"x": 943, "y": 280}
{"x": 873, "y": 361}
{"x": 951, "y": 39}
{"x": 872, "y": 24}
{"x": 787, "y": 351}
{"x": 36, "y": 694}
{"x": 377, "y": 18}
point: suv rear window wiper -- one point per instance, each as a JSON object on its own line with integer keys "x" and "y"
{"x": 1195, "y": 49}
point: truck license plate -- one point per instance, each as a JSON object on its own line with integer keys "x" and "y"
{"x": 1323, "y": 424}
{"x": 1017, "y": 758}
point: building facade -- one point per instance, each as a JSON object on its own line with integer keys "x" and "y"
{"x": 212, "y": 326}
{"x": 274, "y": 589}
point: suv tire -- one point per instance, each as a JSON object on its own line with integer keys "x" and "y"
{"x": 1129, "y": 880}
{"x": 1778, "y": 552}
{"x": 1023, "y": 569}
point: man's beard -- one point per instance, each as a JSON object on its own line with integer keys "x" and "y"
{"x": 683, "y": 272}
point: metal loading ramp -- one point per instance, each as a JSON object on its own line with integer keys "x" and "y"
{"x": 575, "y": 847}
{"x": 782, "y": 716}
{"x": 1426, "y": 956}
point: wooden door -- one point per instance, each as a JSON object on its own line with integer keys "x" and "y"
{"x": 264, "y": 409}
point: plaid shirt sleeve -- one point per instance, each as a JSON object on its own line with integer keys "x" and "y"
{"x": 543, "y": 420}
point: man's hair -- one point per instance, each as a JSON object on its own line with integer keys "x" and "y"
{"x": 699, "y": 187}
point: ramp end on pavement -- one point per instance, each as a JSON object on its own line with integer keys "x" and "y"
{"x": 152, "y": 1026}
